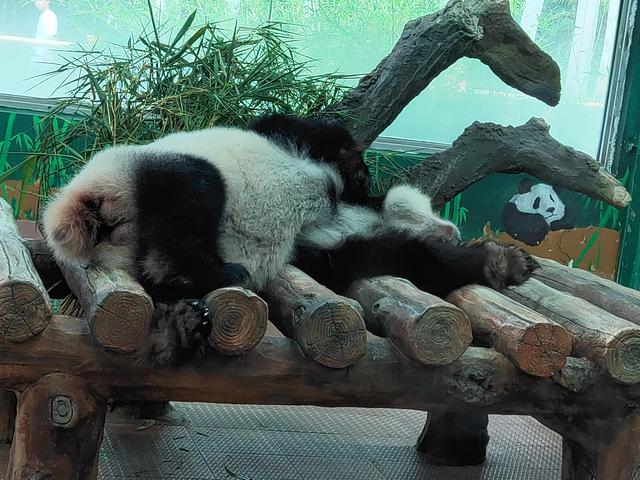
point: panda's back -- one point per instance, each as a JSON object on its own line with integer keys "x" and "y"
{"x": 271, "y": 194}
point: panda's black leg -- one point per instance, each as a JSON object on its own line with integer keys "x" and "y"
{"x": 482, "y": 262}
{"x": 434, "y": 266}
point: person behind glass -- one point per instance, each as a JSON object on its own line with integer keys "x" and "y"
{"x": 47, "y": 28}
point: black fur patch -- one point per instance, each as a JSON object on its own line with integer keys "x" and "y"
{"x": 324, "y": 141}
{"x": 180, "y": 200}
{"x": 434, "y": 266}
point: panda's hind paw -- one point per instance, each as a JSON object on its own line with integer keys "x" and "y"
{"x": 507, "y": 265}
{"x": 179, "y": 332}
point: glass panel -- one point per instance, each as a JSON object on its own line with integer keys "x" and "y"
{"x": 350, "y": 36}
{"x": 33, "y": 33}
{"x": 353, "y": 36}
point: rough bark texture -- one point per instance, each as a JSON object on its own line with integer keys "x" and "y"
{"x": 329, "y": 328}
{"x": 277, "y": 373}
{"x": 610, "y": 341}
{"x": 487, "y": 148}
{"x": 482, "y": 29}
{"x": 423, "y": 327}
{"x": 239, "y": 319}
{"x": 58, "y": 430}
{"x": 577, "y": 375}
{"x": 116, "y": 306}
{"x": 600, "y": 448}
{"x": 8, "y": 404}
{"x": 455, "y": 439}
{"x": 621, "y": 301}
{"x": 534, "y": 344}
{"x": 25, "y": 308}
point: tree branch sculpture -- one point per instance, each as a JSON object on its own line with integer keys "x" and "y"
{"x": 482, "y": 29}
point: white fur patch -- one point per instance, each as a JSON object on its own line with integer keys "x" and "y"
{"x": 349, "y": 221}
{"x": 407, "y": 209}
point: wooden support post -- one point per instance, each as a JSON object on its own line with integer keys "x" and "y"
{"x": 534, "y": 344}
{"x": 239, "y": 319}
{"x": 25, "y": 308}
{"x": 423, "y": 327}
{"x": 116, "y": 306}
{"x": 602, "y": 449}
{"x": 58, "y": 430}
{"x": 8, "y": 403}
{"x": 610, "y": 341}
{"x": 328, "y": 327}
{"x": 614, "y": 298}
{"x": 454, "y": 439}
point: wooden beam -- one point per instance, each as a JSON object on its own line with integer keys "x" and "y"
{"x": 610, "y": 341}
{"x": 614, "y": 298}
{"x": 328, "y": 327}
{"x": 422, "y": 326}
{"x": 116, "y": 306}
{"x": 276, "y": 372}
{"x": 25, "y": 307}
{"x": 239, "y": 319}
{"x": 58, "y": 430}
{"x": 534, "y": 344}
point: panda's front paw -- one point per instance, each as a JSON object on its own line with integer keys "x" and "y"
{"x": 507, "y": 265}
{"x": 236, "y": 274}
{"x": 179, "y": 332}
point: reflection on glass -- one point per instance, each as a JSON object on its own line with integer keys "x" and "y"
{"x": 350, "y": 36}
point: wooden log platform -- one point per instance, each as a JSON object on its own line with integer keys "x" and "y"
{"x": 277, "y": 372}
{"x": 25, "y": 307}
{"x": 611, "y": 342}
{"x": 616, "y": 299}
{"x": 422, "y": 326}
{"x": 239, "y": 319}
{"x": 534, "y": 344}
{"x": 328, "y": 327}
{"x": 115, "y": 305}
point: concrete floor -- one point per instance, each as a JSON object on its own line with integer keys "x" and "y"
{"x": 222, "y": 442}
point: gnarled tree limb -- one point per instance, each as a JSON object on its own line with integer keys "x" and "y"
{"x": 487, "y": 148}
{"x": 482, "y": 29}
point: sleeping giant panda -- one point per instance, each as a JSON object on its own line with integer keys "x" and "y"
{"x": 196, "y": 211}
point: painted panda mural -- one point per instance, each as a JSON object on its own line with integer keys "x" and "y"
{"x": 196, "y": 211}
{"x": 535, "y": 211}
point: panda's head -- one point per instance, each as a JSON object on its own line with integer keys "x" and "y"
{"x": 540, "y": 199}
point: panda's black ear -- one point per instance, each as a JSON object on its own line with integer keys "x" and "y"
{"x": 525, "y": 186}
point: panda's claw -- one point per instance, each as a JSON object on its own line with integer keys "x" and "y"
{"x": 179, "y": 332}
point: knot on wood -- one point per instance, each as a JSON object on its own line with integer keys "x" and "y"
{"x": 61, "y": 410}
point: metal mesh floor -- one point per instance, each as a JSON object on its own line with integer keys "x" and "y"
{"x": 223, "y": 442}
